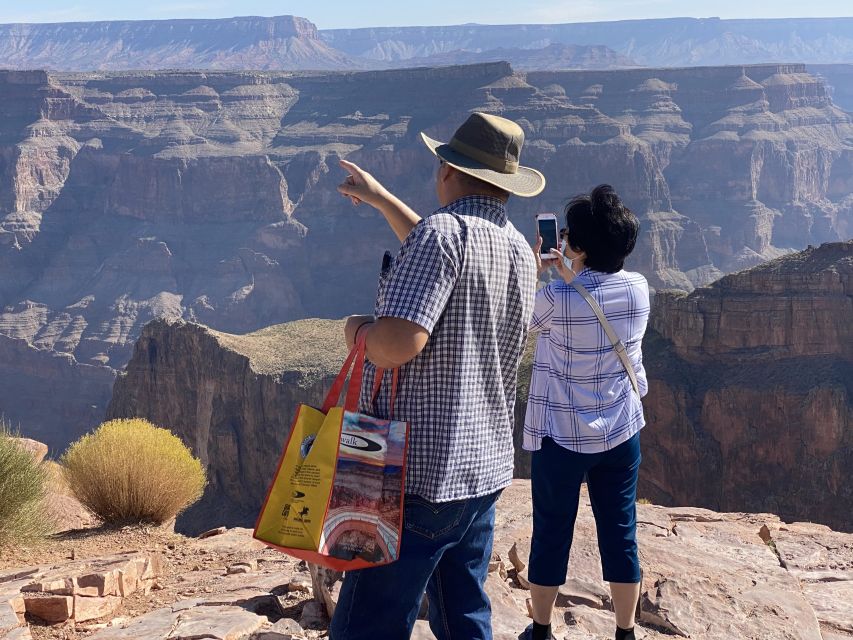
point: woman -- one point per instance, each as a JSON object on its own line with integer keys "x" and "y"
{"x": 584, "y": 414}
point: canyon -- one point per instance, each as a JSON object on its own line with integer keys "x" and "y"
{"x": 294, "y": 43}
{"x": 210, "y": 196}
{"x": 669, "y": 42}
{"x": 281, "y": 42}
{"x": 749, "y": 404}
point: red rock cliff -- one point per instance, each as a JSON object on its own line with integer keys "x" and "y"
{"x": 749, "y": 403}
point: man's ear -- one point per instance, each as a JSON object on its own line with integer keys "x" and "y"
{"x": 446, "y": 172}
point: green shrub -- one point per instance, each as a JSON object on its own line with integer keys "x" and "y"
{"x": 129, "y": 471}
{"x": 23, "y": 487}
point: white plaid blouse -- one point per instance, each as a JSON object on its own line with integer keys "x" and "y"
{"x": 468, "y": 277}
{"x": 580, "y": 395}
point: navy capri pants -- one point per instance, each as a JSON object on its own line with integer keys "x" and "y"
{"x": 612, "y": 481}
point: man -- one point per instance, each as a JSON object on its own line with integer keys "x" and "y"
{"x": 452, "y": 313}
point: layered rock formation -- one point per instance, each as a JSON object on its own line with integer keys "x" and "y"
{"x": 839, "y": 79}
{"x": 289, "y": 42}
{"x": 555, "y": 56}
{"x": 282, "y": 42}
{"x": 750, "y": 403}
{"x": 660, "y": 42}
{"x": 231, "y": 399}
{"x": 211, "y": 196}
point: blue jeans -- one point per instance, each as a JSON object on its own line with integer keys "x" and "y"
{"x": 445, "y": 551}
{"x": 611, "y": 478}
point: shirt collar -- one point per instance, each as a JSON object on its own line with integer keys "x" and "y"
{"x": 586, "y": 272}
{"x": 486, "y": 207}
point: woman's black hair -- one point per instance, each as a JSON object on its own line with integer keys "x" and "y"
{"x": 603, "y": 227}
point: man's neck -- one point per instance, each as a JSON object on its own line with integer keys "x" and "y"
{"x": 473, "y": 194}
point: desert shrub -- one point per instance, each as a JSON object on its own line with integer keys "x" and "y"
{"x": 23, "y": 487}
{"x": 130, "y": 471}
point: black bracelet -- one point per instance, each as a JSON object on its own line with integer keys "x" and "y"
{"x": 359, "y": 328}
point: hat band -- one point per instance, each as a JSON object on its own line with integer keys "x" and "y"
{"x": 501, "y": 165}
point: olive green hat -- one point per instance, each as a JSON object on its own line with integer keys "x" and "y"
{"x": 488, "y": 147}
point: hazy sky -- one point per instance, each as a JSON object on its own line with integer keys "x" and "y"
{"x": 352, "y": 13}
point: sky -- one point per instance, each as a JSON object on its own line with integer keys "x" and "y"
{"x": 351, "y": 13}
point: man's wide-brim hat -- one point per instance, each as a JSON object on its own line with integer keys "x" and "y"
{"x": 489, "y": 148}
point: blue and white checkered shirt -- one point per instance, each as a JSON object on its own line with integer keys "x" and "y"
{"x": 580, "y": 395}
{"x": 467, "y": 276}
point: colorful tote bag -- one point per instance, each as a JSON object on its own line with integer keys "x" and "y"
{"x": 337, "y": 497}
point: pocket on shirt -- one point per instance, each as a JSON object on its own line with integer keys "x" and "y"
{"x": 432, "y": 519}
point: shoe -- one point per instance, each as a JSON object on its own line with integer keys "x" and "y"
{"x": 527, "y": 634}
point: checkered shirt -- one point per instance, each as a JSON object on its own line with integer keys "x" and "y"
{"x": 467, "y": 276}
{"x": 580, "y": 395}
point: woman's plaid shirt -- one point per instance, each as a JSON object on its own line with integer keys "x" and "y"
{"x": 580, "y": 395}
{"x": 467, "y": 276}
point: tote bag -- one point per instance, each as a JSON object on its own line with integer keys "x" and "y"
{"x": 337, "y": 496}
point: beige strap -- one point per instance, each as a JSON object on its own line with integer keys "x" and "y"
{"x": 618, "y": 347}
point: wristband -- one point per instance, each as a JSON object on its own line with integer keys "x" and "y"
{"x": 360, "y": 327}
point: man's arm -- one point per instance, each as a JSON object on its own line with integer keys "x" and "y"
{"x": 414, "y": 298}
{"x": 360, "y": 186}
{"x": 390, "y": 342}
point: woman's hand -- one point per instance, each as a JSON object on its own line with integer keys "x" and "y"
{"x": 359, "y": 186}
{"x": 563, "y": 266}
{"x": 541, "y": 267}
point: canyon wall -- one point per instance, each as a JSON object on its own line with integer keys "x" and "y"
{"x": 839, "y": 79}
{"x": 210, "y": 196}
{"x": 294, "y": 43}
{"x": 231, "y": 399}
{"x": 252, "y": 42}
{"x": 750, "y": 403}
{"x": 664, "y": 42}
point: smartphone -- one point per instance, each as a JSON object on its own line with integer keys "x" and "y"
{"x": 546, "y": 224}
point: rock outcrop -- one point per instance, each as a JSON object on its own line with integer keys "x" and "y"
{"x": 231, "y": 399}
{"x": 210, "y": 196}
{"x": 839, "y": 79}
{"x": 282, "y": 42}
{"x": 750, "y": 403}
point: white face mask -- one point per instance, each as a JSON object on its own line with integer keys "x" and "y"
{"x": 569, "y": 262}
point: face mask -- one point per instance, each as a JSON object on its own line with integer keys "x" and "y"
{"x": 568, "y": 262}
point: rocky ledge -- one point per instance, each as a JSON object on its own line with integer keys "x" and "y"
{"x": 706, "y": 575}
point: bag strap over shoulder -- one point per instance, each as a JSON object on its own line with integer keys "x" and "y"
{"x": 618, "y": 346}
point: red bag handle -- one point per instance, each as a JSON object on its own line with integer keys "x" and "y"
{"x": 354, "y": 361}
{"x": 377, "y": 384}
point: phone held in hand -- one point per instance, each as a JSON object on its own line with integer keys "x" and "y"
{"x": 546, "y": 224}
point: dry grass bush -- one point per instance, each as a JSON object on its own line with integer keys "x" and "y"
{"x": 23, "y": 487}
{"x": 129, "y": 471}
